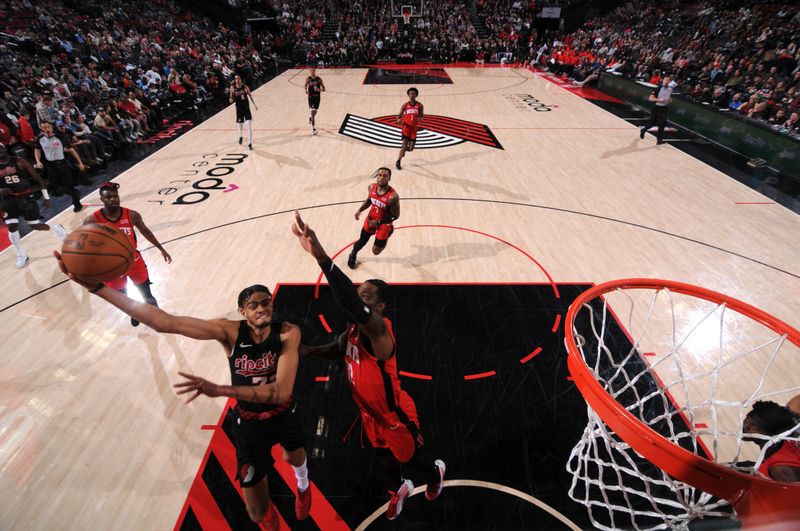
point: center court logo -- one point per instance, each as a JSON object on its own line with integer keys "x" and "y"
{"x": 527, "y": 102}
{"x": 433, "y": 132}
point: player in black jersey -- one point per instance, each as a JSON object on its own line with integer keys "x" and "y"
{"x": 314, "y": 88}
{"x": 239, "y": 94}
{"x": 263, "y": 357}
{"x": 18, "y": 201}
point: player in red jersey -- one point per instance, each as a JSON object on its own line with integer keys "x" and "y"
{"x": 410, "y": 115}
{"x": 384, "y": 208}
{"x": 782, "y": 458}
{"x": 369, "y": 349}
{"x": 126, "y": 220}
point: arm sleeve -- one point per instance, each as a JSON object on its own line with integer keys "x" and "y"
{"x": 345, "y": 293}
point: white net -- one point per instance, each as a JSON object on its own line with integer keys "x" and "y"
{"x": 689, "y": 369}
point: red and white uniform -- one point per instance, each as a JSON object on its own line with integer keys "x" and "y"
{"x": 388, "y": 413}
{"x": 787, "y": 455}
{"x": 138, "y": 271}
{"x": 380, "y": 212}
{"x": 411, "y": 114}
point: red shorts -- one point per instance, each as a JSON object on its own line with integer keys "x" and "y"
{"x": 383, "y": 231}
{"x": 410, "y": 132}
{"x": 397, "y": 437}
{"x": 137, "y": 273}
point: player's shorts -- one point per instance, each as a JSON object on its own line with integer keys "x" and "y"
{"x": 137, "y": 272}
{"x": 313, "y": 102}
{"x": 254, "y": 440}
{"x": 401, "y": 438}
{"x": 242, "y": 115}
{"x": 23, "y": 206}
{"x": 409, "y": 132}
{"x": 382, "y": 232}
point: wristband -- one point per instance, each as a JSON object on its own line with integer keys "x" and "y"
{"x": 45, "y": 194}
{"x": 97, "y": 288}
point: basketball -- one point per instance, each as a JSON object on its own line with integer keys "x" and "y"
{"x": 98, "y": 253}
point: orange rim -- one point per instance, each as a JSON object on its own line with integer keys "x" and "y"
{"x": 757, "y": 500}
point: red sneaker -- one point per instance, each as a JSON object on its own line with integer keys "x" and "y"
{"x": 272, "y": 522}
{"x": 396, "y": 502}
{"x": 434, "y": 489}
{"x": 302, "y": 503}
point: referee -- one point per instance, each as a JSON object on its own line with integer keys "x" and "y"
{"x": 59, "y": 173}
{"x": 661, "y": 96}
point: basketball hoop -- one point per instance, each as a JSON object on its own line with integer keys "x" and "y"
{"x": 406, "y": 12}
{"x": 695, "y": 442}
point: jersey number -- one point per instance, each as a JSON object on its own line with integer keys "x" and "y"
{"x": 12, "y": 179}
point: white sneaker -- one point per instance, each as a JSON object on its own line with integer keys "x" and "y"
{"x": 23, "y": 261}
{"x": 60, "y": 231}
{"x": 434, "y": 489}
{"x": 313, "y": 131}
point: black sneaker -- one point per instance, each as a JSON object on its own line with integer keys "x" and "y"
{"x": 351, "y": 261}
{"x": 240, "y": 141}
{"x": 77, "y": 207}
{"x": 134, "y": 322}
{"x": 642, "y": 131}
{"x": 250, "y": 146}
{"x": 397, "y": 165}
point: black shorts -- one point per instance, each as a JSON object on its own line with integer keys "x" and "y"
{"x": 313, "y": 102}
{"x": 24, "y": 207}
{"x": 254, "y": 440}
{"x": 243, "y": 115}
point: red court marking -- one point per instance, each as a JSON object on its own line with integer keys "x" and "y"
{"x": 555, "y": 324}
{"x": 701, "y": 425}
{"x": 648, "y": 353}
{"x": 754, "y": 203}
{"x": 479, "y": 375}
{"x": 322, "y": 317}
{"x": 415, "y": 375}
{"x": 4, "y": 241}
{"x": 205, "y": 508}
{"x": 530, "y": 356}
{"x": 208, "y": 427}
{"x": 323, "y": 514}
{"x": 322, "y": 379}
{"x": 528, "y": 256}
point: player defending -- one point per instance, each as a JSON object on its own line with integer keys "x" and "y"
{"x": 16, "y": 190}
{"x": 368, "y": 348}
{"x": 314, "y": 88}
{"x": 126, "y": 220}
{"x": 384, "y": 205}
{"x": 262, "y": 355}
{"x": 410, "y": 115}
{"x": 239, "y": 94}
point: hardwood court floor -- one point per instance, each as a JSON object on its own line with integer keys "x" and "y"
{"x": 91, "y": 434}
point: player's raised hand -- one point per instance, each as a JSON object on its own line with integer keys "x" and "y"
{"x": 198, "y": 386}
{"x": 308, "y": 239}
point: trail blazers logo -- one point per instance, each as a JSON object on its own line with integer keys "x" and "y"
{"x": 433, "y": 132}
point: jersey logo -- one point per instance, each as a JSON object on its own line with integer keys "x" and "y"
{"x": 242, "y": 345}
{"x": 433, "y": 131}
{"x": 255, "y": 367}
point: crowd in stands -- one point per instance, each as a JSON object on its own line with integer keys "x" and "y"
{"x": 738, "y": 58}
{"x": 106, "y": 73}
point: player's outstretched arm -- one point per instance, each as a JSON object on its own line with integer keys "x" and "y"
{"x": 332, "y": 351}
{"x": 278, "y": 392}
{"x": 154, "y": 317}
{"x": 138, "y": 222}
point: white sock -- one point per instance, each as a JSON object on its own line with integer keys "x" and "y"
{"x": 301, "y": 473}
{"x": 241, "y": 129}
{"x": 17, "y": 243}
{"x": 250, "y": 130}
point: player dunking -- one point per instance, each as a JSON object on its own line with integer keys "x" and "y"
{"x": 384, "y": 205}
{"x": 410, "y": 115}
{"x": 239, "y": 94}
{"x": 262, "y": 356}
{"x": 368, "y": 348}
{"x": 16, "y": 190}
{"x": 314, "y": 88}
{"x": 126, "y": 220}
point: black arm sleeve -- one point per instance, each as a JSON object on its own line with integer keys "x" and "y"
{"x": 345, "y": 293}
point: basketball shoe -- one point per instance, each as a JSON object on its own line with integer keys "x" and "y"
{"x": 434, "y": 489}
{"x": 302, "y": 504}
{"x": 398, "y": 498}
